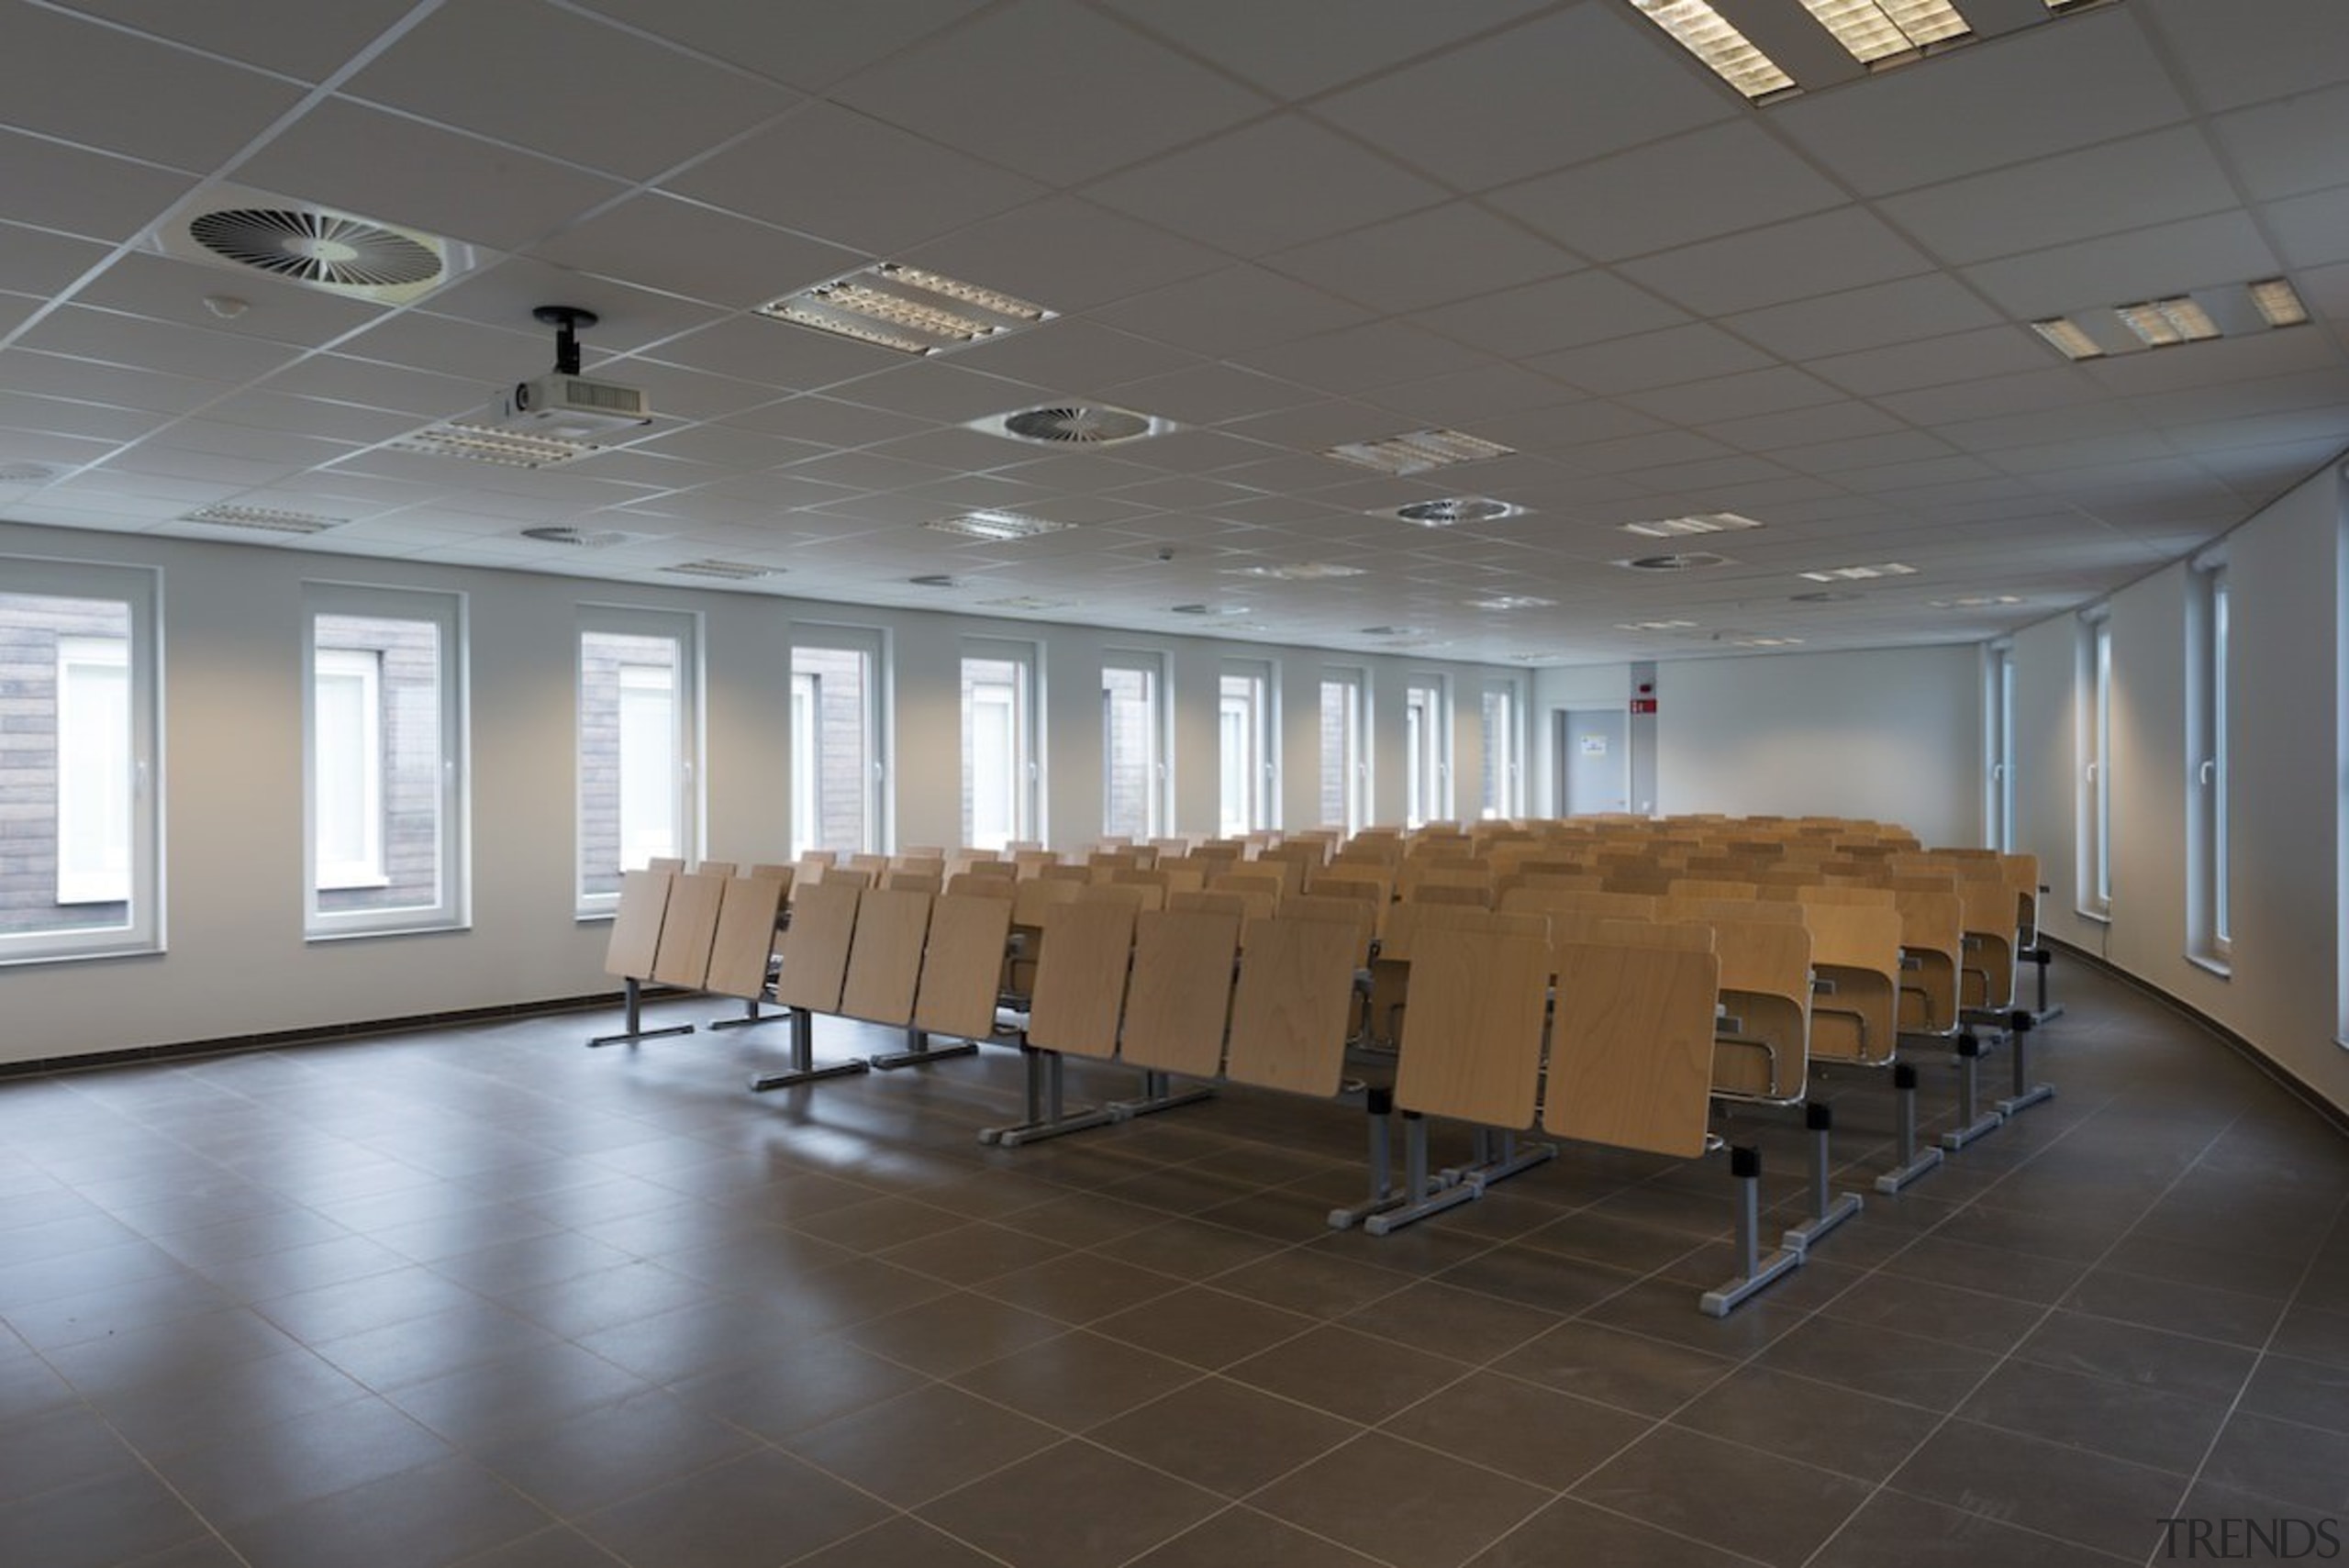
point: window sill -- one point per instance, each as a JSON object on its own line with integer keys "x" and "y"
{"x": 354, "y": 883}
{"x": 2102, "y": 916}
{"x": 2217, "y": 966}
{"x": 438, "y": 927}
{"x": 86, "y": 955}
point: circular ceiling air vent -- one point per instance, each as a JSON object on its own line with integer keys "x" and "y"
{"x": 1685, "y": 560}
{"x": 935, "y": 579}
{"x": 1454, "y": 510}
{"x": 317, "y": 247}
{"x": 1077, "y": 426}
{"x": 580, "y": 538}
{"x": 1825, "y": 596}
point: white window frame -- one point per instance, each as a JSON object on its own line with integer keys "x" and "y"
{"x": 1427, "y": 750}
{"x": 139, "y": 588}
{"x": 1026, "y": 798}
{"x": 1352, "y": 685}
{"x": 1253, "y": 715}
{"x": 79, "y": 883}
{"x": 362, "y": 669}
{"x": 449, "y": 907}
{"x": 2209, "y": 939}
{"x": 1999, "y": 747}
{"x": 1152, "y": 667}
{"x": 2094, "y": 685}
{"x": 685, "y": 629}
{"x": 873, "y": 645}
{"x": 1510, "y": 773}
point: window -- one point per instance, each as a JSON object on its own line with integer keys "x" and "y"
{"x": 1247, "y": 765}
{"x": 1499, "y": 790}
{"x": 2207, "y": 933}
{"x": 639, "y": 746}
{"x": 837, "y": 773}
{"x": 999, "y": 744}
{"x": 1345, "y": 768}
{"x": 1999, "y": 734}
{"x": 2096, "y": 773}
{"x": 385, "y": 775}
{"x": 1134, "y": 731}
{"x": 1426, "y": 752}
{"x": 77, "y": 762}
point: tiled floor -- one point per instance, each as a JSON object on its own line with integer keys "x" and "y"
{"x": 487, "y": 1297}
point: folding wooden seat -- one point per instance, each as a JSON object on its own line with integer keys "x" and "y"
{"x": 885, "y": 955}
{"x": 1856, "y": 957}
{"x": 815, "y": 948}
{"x": 1179, "y": 1000}
{"x": 1709, "y": 888}
{"x": 633, "y": 947}
{"x": 1765, "y": 1039}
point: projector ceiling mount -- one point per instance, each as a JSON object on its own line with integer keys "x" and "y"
{"x": 568, "y": 321}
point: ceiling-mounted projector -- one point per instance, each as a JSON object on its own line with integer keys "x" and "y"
{"x": 563, "y": 405}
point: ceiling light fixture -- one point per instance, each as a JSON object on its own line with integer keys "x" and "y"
{"x": 1418, "y": 450}
{"x": 935, "y": 579}
{"x": 1301, "y": 572}
{"x": 2160, "y": 323}
{"x": 1703, "y": 523}
{"x": 1394, "y": 631}
{"x": 2068, "y": 338}
{"x": 2279, "y": 303}
{"x": 1212, "y": 610}
{"x": 996, "y": 526}
{"x": 1655, "y": 626}
{"x": 910, "y": 309}
{"x": 1858, "y": 574}
{"x": 582, "y": 539}
{"x": 265, "y": 519}
{"x": 1875, "y": 30}
{"x": 1028, "y": 602}
{"x": 1512, "y": 602}
{"x": 1975, "y": 602}
{"x": 1728, "y": 53}
{"x": 727, "y": 571}
{"x": 1765, "y": 641}
{"x": 480, "y": 443}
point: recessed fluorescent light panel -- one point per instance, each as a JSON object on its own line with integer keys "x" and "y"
{"x": 1875, "y": 31}
{"x": 996, "y": 526}
{"x": 2278, "y": 303}
{"x": 1728, "y": 53}
{"x": 1511, "y": 602}
{"x": 1418, "y": 450}
{"x": 1767, "y": 641}
{"x": 1028, "y": 602}
{"x": 2068, "y": 339}
{"x": 2229, "y": 311}
{"x": 1655, "y": 626}
{"x": 263, "y": 519}
{"x": 1211, "y": 610}
{"x": 582, "y": 539}
{"x": 1975, "y": 602}
{"x": 1301, "y": 572}
{"x": 2158, "y": 323}
{"x": 479, "y": 444}
{"x": 724, "y": 570}
{"x": 1704, "y": 523}
{"x": 1859, "y": 573}
{"x": 1394, "y": 630}
{"x": 909, "y": 309}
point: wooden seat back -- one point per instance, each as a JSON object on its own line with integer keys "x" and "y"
{"x": 816, "y": 948}
{"x": 672, "y": 864}
{"x": 1249, "y": 907}
{"x": 1080, "y": 987}
{"x": 1932, "y": 945}
{"x": 1709, "y": 888}
{"x": 1272, "y": 884}
{"x": 635, "y": 940}
{"x": 1476, "y": 1056}
{"x": 1291, "y": 1008}
{"x": 884, "y": 956}
{"x": 967, "y": 885}
{"x": 742, "y": 949}
{"x": 1855, "y": 949}
{"x": 688, "y": 929}
{"x": 1179, "y": 1000}
{"x": 1768, "y": 911}
{"x": 961, "y": 964}
{"x": 1991, "y": 916}
{"x": 1631, "y": 1048}
{"x": 1766, "y": 987}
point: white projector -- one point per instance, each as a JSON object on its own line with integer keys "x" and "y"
{"x": 561, "y": 406}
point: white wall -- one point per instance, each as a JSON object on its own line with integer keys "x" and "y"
{"x": 1893, "y": 734}
{"x": 237, "y": 961}
{"x": 2284, "y": 991}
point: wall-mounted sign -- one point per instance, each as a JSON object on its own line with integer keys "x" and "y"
{"x": 1643, "y": 704}
{"x": 1594, "y": 745}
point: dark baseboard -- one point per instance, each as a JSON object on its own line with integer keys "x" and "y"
{"x": 2285, "y": 1078}
{"x": 230, "y": 1045}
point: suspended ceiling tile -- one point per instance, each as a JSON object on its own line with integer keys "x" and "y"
{"x": 658, "y": 242}
{"x": 2311, "y": 230}
{"x": 395, "y": 170}
{"x": 1501, "y": 96}
{"x": 1006, "y": 88}
{"x": 1822, "y": 254}
{"x": 2286, "y": 147}
{"x": 504, "y": 294}
{"x": 1230, "y": 309}
{"x": 1356, "y": 358}
{"x": 850, "y": 178}
{"x": 805, "y": 43}
{"x": 775, "y": 354}
{"x": 83, "y": 192}
{"x": 1560, "y": 313}
{"x": 1209, "y": 394}
{"x": 457, "y": 67}
{"x": 1963, "y": 356}
{"x": 92, "y": 382}
{"x": 1067, "y": 255}
{"x": 1733, "y": 396}
{"x": 2150, "y": 263}
{"x": 2072, "y": 82}
{"x": 167, "y": 104}
{"x": 37, "y": 264}
{"x": 1444, "y": 253}
{"x": 1472, "y": 396}
{"x": 2232, "y": 56}
{"x": 1694, "y": 352}
{"x": 1803, "y": 427}
{"x": 1304, "y": 50}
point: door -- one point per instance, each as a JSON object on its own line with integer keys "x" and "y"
{"x": 1593, "y": 762}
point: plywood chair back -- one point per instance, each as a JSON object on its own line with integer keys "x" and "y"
{"x": 635, "y": 941}
{"x": 775, "y": 872}
{"x": 1933, "y": 944}
{"x": 1581, "y": 901}
{"x": 1136, "y": 896}
{"x": 671, "y": 864}
{"x": 884, "y": 959}
{"x": 1353, "y": 913}
{"x": 1631, "y": 1048}
{"x": 1766, "y": 987}
{"x": 1080, "y": 988}
{"x": 1476, "y": 1051}
{"x": 1179, "y": 1000}
{"x": 968, "y": 884}
{"x": 1248, "y": 907}
{"x": 961, "y": 964}
{"x": 814, "y": 949}
{"x": 1991, "y": 916}
{"x": 1292, "y": 1007}
{"x": 1370, "y": 884}
{"x": 1768, "y": 911}
{"x": 982, "y": 867}
{"x": 1711, "y": 887}
{"x": 914, "y": 882}
{"x": 744, "y": 949}
{"x": 847, "y": 876}
{"x": 689, "y": 930}
{"x": 1847, "y": 892}
{"x": 1272, "y": 884}
{"x": 1854, "y": 949}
